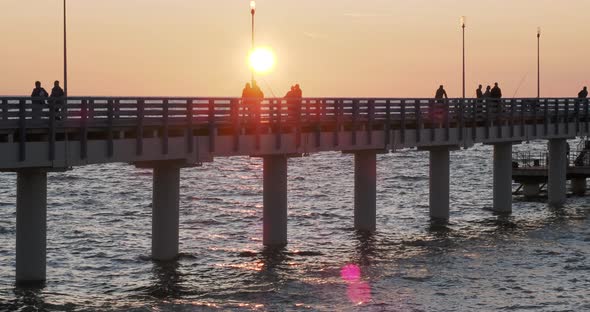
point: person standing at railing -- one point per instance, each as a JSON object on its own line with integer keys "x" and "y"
{"x": 294, "y": 103}
{"x": 488, "y": 93}
{"x": 478, "y": 92}
{"x": 247, "y": 100}
{"x": 583, "y": 94}
{"x": 38, "y": 102}
{"x": 291, "y": 103}
{"x": 496, "y": 95}
{"x": 57, "y": 101}
{"x": 257, "y": 97}
{"x": 437, "y": 113}
{"x": 496, "y": 92}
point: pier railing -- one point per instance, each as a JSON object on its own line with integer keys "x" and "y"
{"x": 31, "y": 113}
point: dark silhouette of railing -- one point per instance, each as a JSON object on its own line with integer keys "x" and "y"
{"x": 27, "y": 119}
{"x": 412, "y": 113}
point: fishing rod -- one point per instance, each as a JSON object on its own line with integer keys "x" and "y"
{"x": 520, "y": 84}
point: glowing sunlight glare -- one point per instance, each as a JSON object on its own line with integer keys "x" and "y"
{"x": 262, "y": 60}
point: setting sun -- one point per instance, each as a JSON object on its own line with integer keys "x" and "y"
{"x": 262, "y": 60}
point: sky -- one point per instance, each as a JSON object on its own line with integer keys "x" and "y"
{"x": 332, "y": 48}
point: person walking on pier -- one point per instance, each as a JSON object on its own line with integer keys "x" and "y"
{"x": 57, "y": 94}
{"x": 583, "y": 94}
{"x": 38, "y": 94}
{"x": 478, "y": 92}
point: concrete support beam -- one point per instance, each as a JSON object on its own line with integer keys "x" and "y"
{"x": 579, "y": 186}
{"x": 274, "y": 232}
{"x": 165, "y": 211}
{"x": 556, "y": 187}
{"x": 531, "y": 189}
{"x": 439, "y": 183}
{"x": 365, "y": 190}
{"x": 502, "y": 178}
{"x": 31, "y": 226}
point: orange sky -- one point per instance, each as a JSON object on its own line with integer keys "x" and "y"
{"x": 369, "y": 48}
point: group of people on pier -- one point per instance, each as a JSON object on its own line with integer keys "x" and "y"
{"x": 39, "y": 94}
{"x": 252, "y": 97}
{"x": 490, "y": 93}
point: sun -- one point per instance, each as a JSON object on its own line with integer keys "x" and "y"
{"x": 262, "y": 60}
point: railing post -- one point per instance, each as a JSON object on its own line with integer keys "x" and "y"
{"x": 110, "y": 113}
{"x": 189, "y": 127}
{"x": 512, "y": 117}
{"x": 355, "y": 108}
{"x": 52, "y": 108}
{"x": 318, "y": 116}
{"x": 419, "y": 122}
{"x": 336, "y": 122}
{"x": 488, "y": 118}
{"x": 211, "y": 110}
{"x": 461, "y": 113}
{"x": 371, "y": 117}
{"x": 546, "y": 116}
{"x": 403, "y": 120}
{"x": 447, "y": 117}
{"x": 388, "y": 124}
{"x": 235, "y": 119}
{"x": 139, "y": 136}
{"x": 279, "y": 113}
{"x": 22, "y": 136}
{"x": 577, "y": 116}
{"x": 433, "y": 110}
{"x": 4, "y": 109}
{"x": 165, "y": 127}
{"x": 83, "y": 130}
{"x": 586, "y": 116}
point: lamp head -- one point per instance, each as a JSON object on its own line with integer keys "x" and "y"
{"x": 463, "y": 24}
{"x": 252, "y": 6}
{"x": 538, "y": 32}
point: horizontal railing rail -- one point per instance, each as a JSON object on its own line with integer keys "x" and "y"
{"x": 43, "y": 112}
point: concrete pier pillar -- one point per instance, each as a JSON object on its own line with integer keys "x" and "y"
{"x": 556, "y": 187}
{"x": 274, "y": 231}
{"x": 31, "y": 226}
{"x": 579, "y": 186}
{"x": 531, "y": 189}
{"x": 365, "y": 190}
{"x": 503, "y": 177}
{"x": 439, "y": 183}
{"x": 165, "y": 211}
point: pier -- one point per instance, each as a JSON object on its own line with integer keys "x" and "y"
{"x": 167, "y": 134}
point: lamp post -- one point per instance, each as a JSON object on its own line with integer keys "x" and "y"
{"x": 65, "y": 54}
{"x": 538, "y": 62}
{"x": 252, "y": 12}
{"x": 463, "y": 28}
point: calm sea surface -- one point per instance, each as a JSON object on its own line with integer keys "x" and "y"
{"x": 99, "y": 224}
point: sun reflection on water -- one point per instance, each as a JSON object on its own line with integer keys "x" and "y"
{"x": 359, "y": 291}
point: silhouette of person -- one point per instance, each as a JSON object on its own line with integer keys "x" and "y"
{"x": 488, "y": 93}
{"x": 38, "y": 94}
{"x": 437, "y": 111}
{"x": 291, "y": 97}
{"x": 441, "y": 93}
{"x": 478, "y": 92}
{"x": 257, "y": 97}
{"x": 496, "y": 93}
{"x": 583, "y": 94}
{"x": 247, "y": 99}
{"x": 57, "y": 93}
